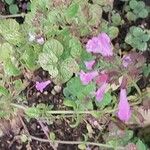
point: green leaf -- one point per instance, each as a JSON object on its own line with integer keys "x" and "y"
{"x": 6, "y": 50}
{"x": 137, "y": 31}
{"x": 113, "y": 32}
{"x": 140, "y": 145}
{"x": 143, "y": 13}
{"x": 131, "y": 16}
{"x": 3, "y": 91}
{"x": 9, "y": 1}
{"x": 133, "y": 4}
{"x": 13, "y": 9}
{"x": 10, "y": 69}
{"x": 9, "y": 29}
{"x": 48, "y": 62}
{"x": 116, "y": 19}
{"x": 76, "y": 48}
{"x": 96, "y": 14}
{"x": 52, "y": 136}
{"x": 146, "y": 70}
{"x": 33, "y": 112}
{"x": 70, "y": 103}
{"x": 53, "y": 46}
{"x": 30, "y": 58}
{"x": 145, "y": 37}
{"x": 82, "y": 146}
{"x": 72, "y": 10}
{"x": 106, "y": 101}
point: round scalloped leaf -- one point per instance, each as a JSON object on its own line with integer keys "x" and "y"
{"x": 9, "y": 1}
{"x": 48, "y": 61}
{"x": 133, "y": 4}
{"x": 137, "y": 31}
{"x": 143, "y": 13}
{"x": 113, "y": 32}
{"x": 9, "y": 29}
{"x": 75, "y": 46}
{"x": 128, "y": 39}
{"x": 145, "y": 37}
{"x": 13, "y": 9}
{"x": 131, "y": 16}
{"x": 53, "y": 46}
{"x": 96, "y": 14}
{"x": 142, "y": 46}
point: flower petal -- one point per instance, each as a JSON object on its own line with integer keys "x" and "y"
{"x": 126, "y": 60}
{"x": 124, "y": 112}
{"x": 100, "y": 44}
{"x": 101, "y": 91}
{"x": 86, "y": 78}
{"x": 89, "y": 64}
{"x": 40, "y": 86}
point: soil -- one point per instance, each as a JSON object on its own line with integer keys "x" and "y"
{"x": 60, "y": 127}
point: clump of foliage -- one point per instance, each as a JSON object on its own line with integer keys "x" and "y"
{"x": 136, "y": 9}
{"x": 138, "y": 38}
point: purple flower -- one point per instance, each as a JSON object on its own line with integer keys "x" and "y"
{"x": 100, "y": 44}
{"x": 40, "y": 40}
{"x": 101, "y": 91}
{"x": 126, "y": 60}
{"x": 89, "y": 64}
{"x": 40, "y": 86}
{"x": 124, "y": 112}
{"x": 86, "y": 78}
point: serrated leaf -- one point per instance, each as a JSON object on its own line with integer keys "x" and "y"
{"x": 32, "y": 112}
{"x": 54, "y": 46}
{"x": 48, "y": 62}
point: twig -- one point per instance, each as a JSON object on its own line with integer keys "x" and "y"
{"x": 77, "y": 142}
{"x": 12, "y": 16}
{"x": 45, "y": 132}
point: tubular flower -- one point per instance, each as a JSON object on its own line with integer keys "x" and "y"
{"x": 86, "y": 78}
{"x": 124, "y": 111}
{"x": 40, "y": 86}
{"x": 101, "y": 91}
{"x": 100, "y": 44}
{"x": 89, "y": 64}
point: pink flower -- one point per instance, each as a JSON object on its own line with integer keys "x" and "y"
{"x": 101, "y": 91}
{"x": 86, "y": 78}
{"x": 40, "y": 40}
{"x": 100, "y": 44}
{"x": 89, "y": 64}
{"x": 102, "y": 78}
{"x": 126, "y": 60}
{"x": 124, "y": 112}
{"x": 40, "y": 86}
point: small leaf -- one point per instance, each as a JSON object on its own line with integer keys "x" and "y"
{"x": 72, "y": 10}
{"x": 70, "y": 103}
{"x": 140, "y": 145}
{"x": 131, "y": 16}
{"x": 48, "y": 62}
{"x": 4, "y": 91}
{"x": 82, "y": 146}
{"x": 52, "y": 136}
{"x": 113, "y": 32}
{"x": 133, "y": 4}
{"x": 53, "y": 46}
{"x": 143, "y": 13}
{"x": 9, "y": 1}
{"x": 13, "y": 9}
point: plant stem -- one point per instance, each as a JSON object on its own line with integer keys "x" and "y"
{"x": 12, "y": 16}
{"x": 76, "y": 143}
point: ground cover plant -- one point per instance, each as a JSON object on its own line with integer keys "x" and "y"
{"x": 74, "y": 74}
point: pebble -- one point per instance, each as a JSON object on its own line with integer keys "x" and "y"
{"x": 53, "y": 92}
{"x": 57, "y": 88}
